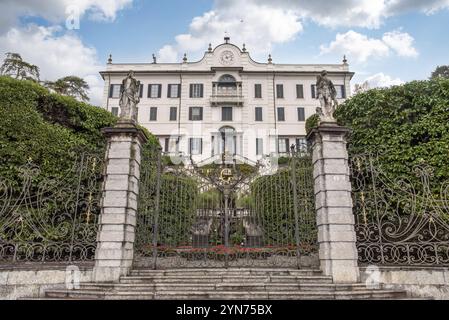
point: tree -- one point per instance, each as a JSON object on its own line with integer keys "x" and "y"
{"x": 441, "y": 72}
{"x": 71, "y": 86}
{"x": 15, "y": 67}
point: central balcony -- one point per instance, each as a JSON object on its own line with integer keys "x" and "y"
{"x": 226, "y": 95}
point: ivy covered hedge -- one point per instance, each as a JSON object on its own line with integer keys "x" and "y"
{"x": 177, "y": 209}
{"x": 407, "y": 125}
{"x": 43, "y": 128}
{"x": 273, "y": 203}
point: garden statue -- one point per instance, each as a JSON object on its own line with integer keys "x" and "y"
{"x": 129, "y": 98}
{"x": 327, "y": 95}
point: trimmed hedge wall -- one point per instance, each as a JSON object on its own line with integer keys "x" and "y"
{"x": 43, "y": 128}
{"x": 407, "y": 125}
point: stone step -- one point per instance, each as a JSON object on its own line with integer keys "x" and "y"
{"x": 253, "y": 287}
{"x": 225, "y": 295}
{"x": 229, "y": 272}
{"x": 225, "y": 278}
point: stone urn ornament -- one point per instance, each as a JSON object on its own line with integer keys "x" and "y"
{"x": 129, "y": 98}
{"x": 327, "y": 95}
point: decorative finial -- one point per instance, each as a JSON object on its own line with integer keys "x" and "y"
{"x": 244, "y": 48}
{"x": 270, "y": 60}
{"x": 185, "y": 58}
{"x": 110, "y": 59}
{"x": 227, "y": 39}
{"x": 154, "y": 59}
{"x": 345, "y": 61}
{"x": 210, "y": 47}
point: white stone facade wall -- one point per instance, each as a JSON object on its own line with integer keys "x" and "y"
{"x": 209, "y": 70}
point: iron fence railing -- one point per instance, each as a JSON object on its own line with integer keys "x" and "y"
{"x": 48, "y": 219}
{"x": 400, "y": 220}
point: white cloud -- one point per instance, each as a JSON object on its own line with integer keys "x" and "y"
{"x": 400, "y": 42}
{"x": 263, "y": 23}
{"x": 259, "y": 26}
{"x": 381, "y": 80}
{"x": 56, "y": 51}
{"x": 355, "y": 13}
{"x": 168, "y": 54}
{"x": 360, "y": 48}
{"x": 55, "y": 10}
{"x": 356, "y": 46}
{"x": 56, "y": 55}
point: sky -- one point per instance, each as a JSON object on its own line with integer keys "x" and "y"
{"x": 386, "y": 42}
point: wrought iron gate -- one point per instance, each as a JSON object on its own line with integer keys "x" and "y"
{"x": 225, "y": 214}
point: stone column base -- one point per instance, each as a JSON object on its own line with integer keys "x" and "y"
{"x": 115, "y": 244}
{"x": 333, "y": 203}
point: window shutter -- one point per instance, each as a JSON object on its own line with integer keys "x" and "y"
{"x": 190, "y": 113}
{"x": 280, "y": 91}
{"x": 149, "y": 91}
{"x": 201, "y": 146}
{"x": 160, "y": 91}
{"x": 141, "y": 91}
{"x": 111, "y": 89}
{"x": 343, "y": 92}
{"x": 179, "y": 90}
{"x": 313, "y": 92}
{"x": 167, "y": 144}
{"x": 201, "y": 114}
{"x": 258, "y": 90}
{"x": 169, "y": 91}
{"x": 301, "y": 114}
{"x": 190, "y": 145}
{"x": 191, "y": 91}
{"x": 201, "y": 90}
{"x": 300, "y": 91}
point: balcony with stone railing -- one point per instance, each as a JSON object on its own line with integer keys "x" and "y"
{"x": 227, "y": 95}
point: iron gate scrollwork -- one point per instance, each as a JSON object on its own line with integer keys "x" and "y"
{"x": 225, "y": 212}
{"x": 51, "y": 219}
{"x": 400, "y": 220}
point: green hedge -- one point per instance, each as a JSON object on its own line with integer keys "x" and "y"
{"x": 41, "y": 127}
{"x": 407, "y": 125}
{"x": 177, "y": 209}
{"x": 273, "y": 203}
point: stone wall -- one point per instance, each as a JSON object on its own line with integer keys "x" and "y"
{"x": 419, "y": 282}
{"x": 31, "y": 282}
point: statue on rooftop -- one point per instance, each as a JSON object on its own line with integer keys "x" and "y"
{"x": 129, "y": 98}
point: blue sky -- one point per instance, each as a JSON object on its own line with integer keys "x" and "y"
{"x": 387, "y": 42}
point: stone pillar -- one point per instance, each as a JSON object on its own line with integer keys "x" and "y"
{"x": 333, "y": 202}
{"x": 117, "y": 222}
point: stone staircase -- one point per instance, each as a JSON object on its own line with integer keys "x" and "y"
{"x": 224, "y": 284}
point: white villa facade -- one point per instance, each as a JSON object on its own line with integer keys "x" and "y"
{"x": 226, "y": 102}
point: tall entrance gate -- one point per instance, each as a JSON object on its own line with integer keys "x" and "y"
{"x": 226, "y": 213}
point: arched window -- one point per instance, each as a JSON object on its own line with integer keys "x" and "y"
{"x": 227, "y": 78}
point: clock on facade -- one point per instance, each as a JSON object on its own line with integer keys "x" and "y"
{"x": 227, "y": 57}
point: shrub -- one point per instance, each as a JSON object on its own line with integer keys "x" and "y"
{"x": 407, "y": 125}
{"x": 47, "y": 129}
